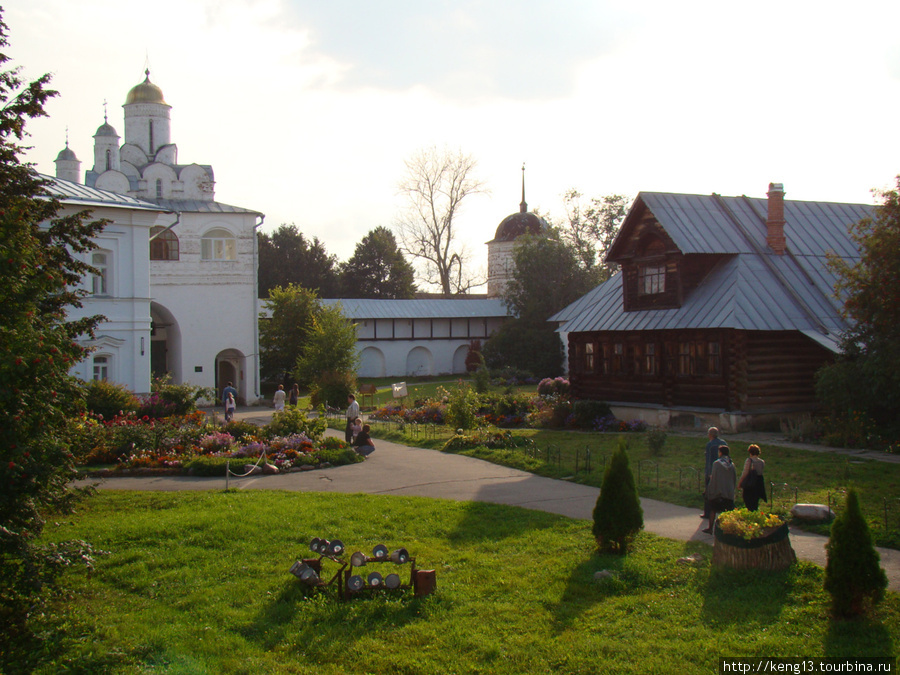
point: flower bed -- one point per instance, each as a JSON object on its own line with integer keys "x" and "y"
{"x": 550, "y": 410}
{"x": 752, "y": 540}
{"x": 178, "y": 443}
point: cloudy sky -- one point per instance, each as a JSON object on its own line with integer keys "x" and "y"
{"x": 307, "y": 109}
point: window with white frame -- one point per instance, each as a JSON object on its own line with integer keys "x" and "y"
{"x": 101, "y": 368}
{"x": 218, "y": 244}
{"x": 100, "y": 281}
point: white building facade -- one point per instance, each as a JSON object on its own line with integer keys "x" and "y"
{"x": 415, "y": 338}
{"x": 199, "y": 256}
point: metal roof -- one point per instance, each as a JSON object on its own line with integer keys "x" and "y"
{"x": 76, "y": 193}
{"x": 752, "y": 288}
{"x": 706, "y": 223}
{"x": 361, "y": 309}
{"x": 200, "y": 206}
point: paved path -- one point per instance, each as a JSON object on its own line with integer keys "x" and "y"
{"x": 395, "y": 469}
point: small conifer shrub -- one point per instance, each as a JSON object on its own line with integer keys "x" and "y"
{"x": 853, "y": 574}
{"x": 618, "y": 515}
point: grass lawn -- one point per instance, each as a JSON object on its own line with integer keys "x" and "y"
{"x": 199, "y": 583}
{"x": 676, "y": 474}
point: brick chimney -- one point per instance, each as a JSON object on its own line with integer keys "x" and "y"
{"x": 775, "y": 221}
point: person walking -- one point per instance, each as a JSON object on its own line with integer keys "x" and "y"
{"x": 229, "y": 389}
{"x": 352, "y": 414}
{"x": 753, "y": 487}
{"x": 278, "y": 398}
{"x": 712, "y": 454}
{"x": 722, "y": 483}
{"x": 294, "y": 396}
{"x": 230, "y": 406}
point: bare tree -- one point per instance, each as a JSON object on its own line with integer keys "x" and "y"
{"x": 435, "y": 184}
{"x": 591, "y": 228}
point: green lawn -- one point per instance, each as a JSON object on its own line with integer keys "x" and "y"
{"x": 675, "y": 475}
{"x": 199, "y": 583}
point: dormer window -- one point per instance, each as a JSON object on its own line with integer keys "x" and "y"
{"x": 652, "y": 279}
{"x": 652, "y": 276}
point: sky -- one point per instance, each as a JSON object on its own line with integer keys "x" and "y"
{"x": 307, "y": 110}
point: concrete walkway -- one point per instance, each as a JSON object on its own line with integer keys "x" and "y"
{"x": 400, "y": 470}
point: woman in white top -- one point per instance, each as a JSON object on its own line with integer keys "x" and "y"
{"x": 278, "y": 398}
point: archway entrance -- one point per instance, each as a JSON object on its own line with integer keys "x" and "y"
{"x": 165, "y": 344}
{"x": 230, "y": 368}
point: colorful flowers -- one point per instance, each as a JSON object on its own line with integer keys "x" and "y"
{"x": 749, "y": 524}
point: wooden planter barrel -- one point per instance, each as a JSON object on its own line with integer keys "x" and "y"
{"x": 772, "y": 551}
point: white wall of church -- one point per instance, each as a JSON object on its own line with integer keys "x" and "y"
{"x": 121, "y": 346}
{"x": 213, "y": 301}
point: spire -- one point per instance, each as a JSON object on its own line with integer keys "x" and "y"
{"x": 105, "y": 118}
{"x": 523, "y": 207}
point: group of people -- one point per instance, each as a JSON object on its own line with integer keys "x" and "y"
{"x": 280, "y": 396}
{"x": 722, "y": 480}
{"x": 357, "y": 433}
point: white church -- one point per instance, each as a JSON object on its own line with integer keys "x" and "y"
{"x": 177, "y": 278}
{"x": 177, "y": 281}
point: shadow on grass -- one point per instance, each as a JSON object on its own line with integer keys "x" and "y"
{"x": 631, "y": 574}
{"x": 316, "y": 620}
{"x": 858, "y": 638}
{"x": 745, "y": 596}
{"x": 486, "y": 522}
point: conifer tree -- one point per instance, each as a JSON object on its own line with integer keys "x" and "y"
{"x": 38, "y": 397}
{"x": 618, "y": 515}
{"x": 853, "y": 573}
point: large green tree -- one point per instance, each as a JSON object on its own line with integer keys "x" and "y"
{"x": 40, "y": 268}
{"x": 307, "y": 341}
{"x": 282, "y": 332}
{"x": 866, "y": 379}
{"x": 546, "y": 277}
{"x": 377, "y": 269}
{"x": 286, "y": 257}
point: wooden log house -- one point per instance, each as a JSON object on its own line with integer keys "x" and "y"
{"x": 723, "y": 308}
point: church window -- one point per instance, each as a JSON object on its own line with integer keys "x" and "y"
{"x": 100, "y": 280}
{"x": 159, "y": 188}
{"x": 150, "y": 128}
{"x": 164, "y": 244}
{"x": 101, "y": 368}
{"x": 108, "y": 159}
{"x": 218, "y": 244}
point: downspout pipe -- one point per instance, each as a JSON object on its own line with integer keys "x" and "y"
{"x": 256, "y": 384}
{"x": 177, "y": 220}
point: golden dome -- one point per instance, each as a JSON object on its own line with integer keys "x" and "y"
{"x": 145, "y": 92}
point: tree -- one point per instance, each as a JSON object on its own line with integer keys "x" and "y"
{"x": 329, "y": 345}
{"x": 866, "y": 379}
{"x": 286, "y": 257}
{"x": 618, "y": 515}
{"x": 40, "y": 268}
{"x": 853, "y": 573}
{"x": 519, "y": 344}
{"x": 435, "y": 185}
{"x": 377, "y": 269}
{"x": 292, "y": 309}
{"x": 546, "y": 277}
{"x": 591, "y": 228}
